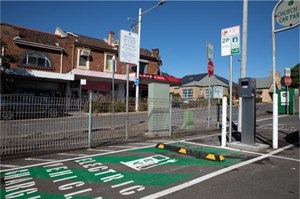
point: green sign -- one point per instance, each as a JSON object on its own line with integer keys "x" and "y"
{"x": 235, "y": 51}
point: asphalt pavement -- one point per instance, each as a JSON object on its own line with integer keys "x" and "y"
{"x": 144, "y": 170}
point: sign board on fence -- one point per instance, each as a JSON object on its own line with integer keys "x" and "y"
{"x": 128, "y": 48}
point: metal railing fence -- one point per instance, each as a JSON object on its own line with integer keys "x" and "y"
{"x": 32, "y": 124}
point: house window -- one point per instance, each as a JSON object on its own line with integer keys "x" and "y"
{"x": 83, "y": 58}
{"x": 36, "y": 59}
{"x": 143, "y": 68}
{"x": 109, "y": 62}
{"x": 207, "y": 92}
{"x": 200, "y": 92}
{"x": 187, "y": 93}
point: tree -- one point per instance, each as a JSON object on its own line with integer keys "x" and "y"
{"x": 5, "y": 61}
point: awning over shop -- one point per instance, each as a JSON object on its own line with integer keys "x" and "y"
{"x": 103, "y": 75}
{"x": 160, "y": 78}
{"x": 39, "y": 74}
{"x": 98, "y": 86}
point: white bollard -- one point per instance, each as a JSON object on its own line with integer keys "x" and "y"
{"x": 224, "y": 121}
{"x": 275, "y": 121}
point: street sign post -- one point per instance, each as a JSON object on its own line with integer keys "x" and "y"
{"x": 210, "y": 69}
{"x": 230, "y": 45}
{"x": 287, "y": 82}
{"x": 287, "y": 14}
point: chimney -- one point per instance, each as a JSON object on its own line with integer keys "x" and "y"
{"x": 111, "y": 36}
{"x": 155, "y": 52}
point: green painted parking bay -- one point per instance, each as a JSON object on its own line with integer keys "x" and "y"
{"x": 134, "y": 173}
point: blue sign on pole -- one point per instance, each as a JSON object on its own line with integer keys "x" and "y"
{"x": 235, "y": 39}
{"x": 136, "y": 81}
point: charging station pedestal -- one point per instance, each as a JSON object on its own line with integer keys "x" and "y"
{"x": 247, "y": 91}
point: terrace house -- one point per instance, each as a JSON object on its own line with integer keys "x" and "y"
{"x": 64, "y": 63}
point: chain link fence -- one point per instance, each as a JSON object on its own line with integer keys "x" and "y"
{"x": 31, "y": 124}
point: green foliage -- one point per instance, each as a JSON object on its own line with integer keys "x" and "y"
{"x": 6, "y": 59}
{"x": 175, "y": 95}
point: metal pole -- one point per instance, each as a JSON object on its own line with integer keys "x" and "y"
{"x": 138, "y": 64}
{"x": 275, "y": 97}
{"x": 244, "y": 39}
{"x": 90, "y": 120}
{"x": 80, "y": 90}
{"x": 127, "y": 98}
{"x": 244, "y": 57}
{"x": 230, "y": 98}
{"x": 208, "y": 117}
{"x": 113, "y": 93}
{"x": 170, "y": 114}
{"x": 287, "y": 100}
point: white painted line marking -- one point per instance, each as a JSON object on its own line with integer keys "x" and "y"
{"x": 103, "y": 150}
{"x": 41, "y": 160}
{"x": 241, "y": 150}
{"x": 9, "y": 165}
{"x": 140, "y": 143}
{"x": 120, "y": 146}
{"x": 76, "y": 158}
{"x": 213, "y": 174}
{"x": 73, "y": 154}
{"x": 270, "y": 118}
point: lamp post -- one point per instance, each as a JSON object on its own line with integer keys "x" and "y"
{"x": 138, "y": 31}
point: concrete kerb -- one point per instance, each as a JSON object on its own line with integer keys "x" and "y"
{"x": 256, "y": 147}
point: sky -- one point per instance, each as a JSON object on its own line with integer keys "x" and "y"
{"x": 179, "y": 29}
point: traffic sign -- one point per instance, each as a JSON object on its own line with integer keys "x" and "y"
{"x": 288, "y": 13}
{"x": 230, "y": 41}
{"x": 136, "y": 81}
{"x": 210, "y": 68}
{"x": 287, "y": 81}
{"x": 209, "y": 51}
{"x": 128, "y": 49}
{"x": 287, "y": 72}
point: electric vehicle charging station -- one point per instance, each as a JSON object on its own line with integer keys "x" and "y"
{"x": 247, "y": 91}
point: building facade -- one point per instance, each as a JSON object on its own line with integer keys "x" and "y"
{"x": 197, "y": 86}
{"x": 68, "y": 65}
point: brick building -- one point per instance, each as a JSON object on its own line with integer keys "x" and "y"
{"x": 54, "y": 64}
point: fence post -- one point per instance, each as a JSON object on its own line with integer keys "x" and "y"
{"x": 170, "y": 116}
{"x": 90, "y": 119}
